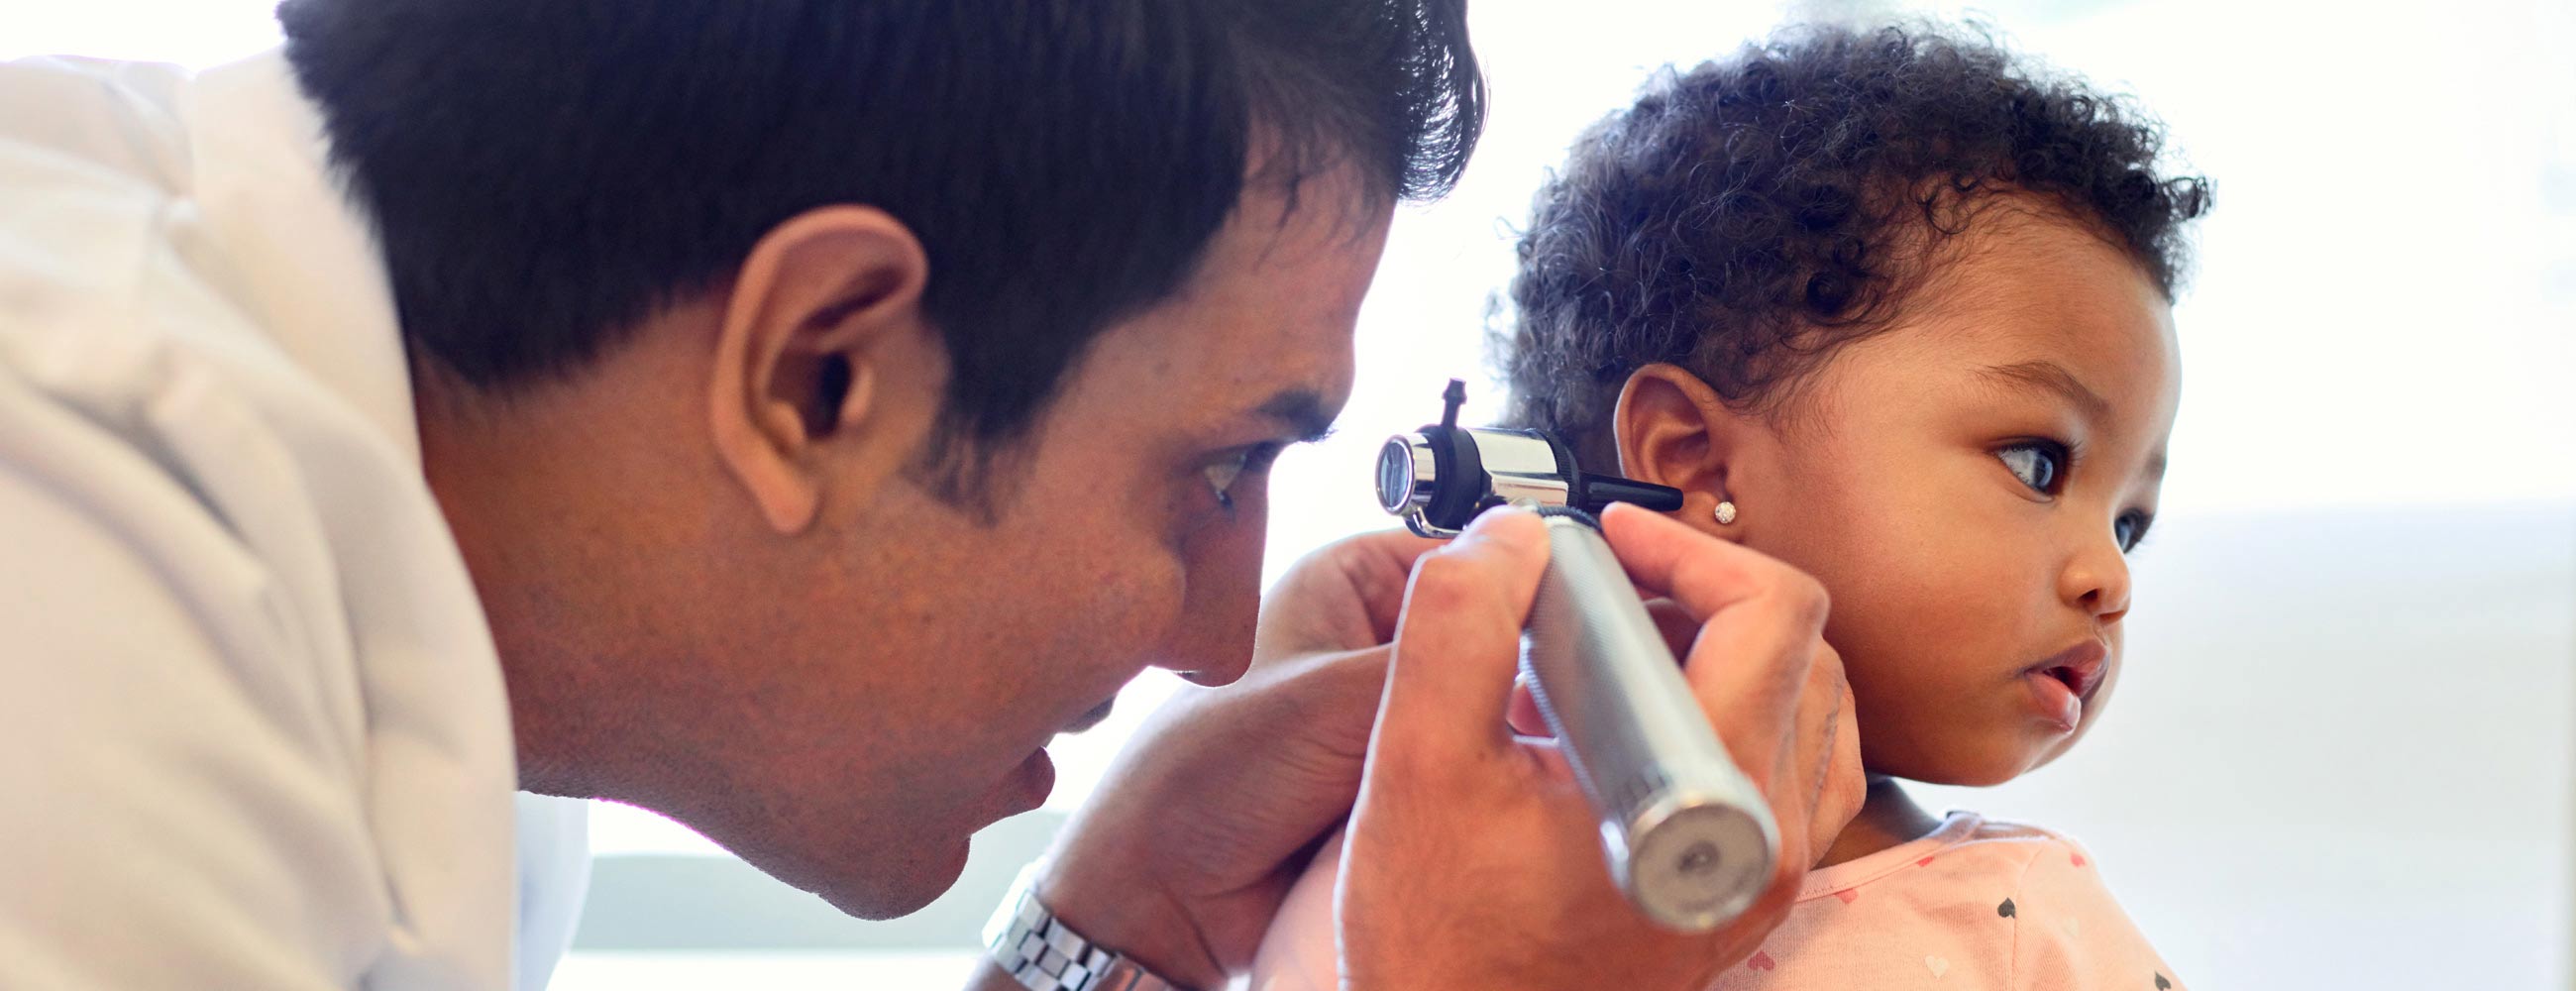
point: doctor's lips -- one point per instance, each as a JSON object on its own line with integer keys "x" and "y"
{"x": 1092, "y": 718}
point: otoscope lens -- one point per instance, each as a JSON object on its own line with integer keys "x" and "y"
{"x": 1395, "y": 475}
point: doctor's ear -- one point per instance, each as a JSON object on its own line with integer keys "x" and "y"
{"x": 1673, "y": 430}
{"x": 826, "y": 373}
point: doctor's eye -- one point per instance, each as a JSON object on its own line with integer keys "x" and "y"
{"x": 1230, "y": 468}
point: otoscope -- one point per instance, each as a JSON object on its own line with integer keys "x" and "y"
{"x": 1686, "y": 835}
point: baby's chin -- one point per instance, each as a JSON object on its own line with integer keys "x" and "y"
{"x": 1983, "y": 764}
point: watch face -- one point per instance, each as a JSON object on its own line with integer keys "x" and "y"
{"x": 1041, "y": 953}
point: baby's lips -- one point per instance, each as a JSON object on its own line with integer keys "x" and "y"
{"x": 2086, "y": 661}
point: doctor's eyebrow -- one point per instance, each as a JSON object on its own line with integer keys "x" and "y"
{"x": 1303, "y": 411}
{"x": 2051, "y": 378}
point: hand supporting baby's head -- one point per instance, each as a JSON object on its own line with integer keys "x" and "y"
{"x": 1901, "y": 307}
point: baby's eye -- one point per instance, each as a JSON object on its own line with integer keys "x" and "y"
{"x": 2037, "y": 463}
{"x": 2129, "y": 529}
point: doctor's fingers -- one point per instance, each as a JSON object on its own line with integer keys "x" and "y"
{"x": 1457, "y": 646}
{"x": 1343, "y": 596}
{"x": 1819, "y": 785}
{"x": 1761, "y": 631}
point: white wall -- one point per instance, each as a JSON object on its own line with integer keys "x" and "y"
{"x": 2339, "y": 755}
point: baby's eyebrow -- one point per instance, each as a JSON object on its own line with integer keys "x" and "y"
{"x": 2048, "y": 376}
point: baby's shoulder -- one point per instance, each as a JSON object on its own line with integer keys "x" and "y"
{"x": 1978, "y": 903}
{"x": 2003, "y": 845}
{"x": 1967, "y": 853}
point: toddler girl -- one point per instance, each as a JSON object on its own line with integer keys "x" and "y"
{"x": 1896, "y": 310}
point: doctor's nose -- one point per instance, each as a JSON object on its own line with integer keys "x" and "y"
{"x": 1211, "y": 640}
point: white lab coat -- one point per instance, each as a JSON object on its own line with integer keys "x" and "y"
{"x": 252, "y": 728}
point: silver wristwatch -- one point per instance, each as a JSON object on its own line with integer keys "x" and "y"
{"x": 1033, "y": 946}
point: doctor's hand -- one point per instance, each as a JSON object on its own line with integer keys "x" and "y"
{"x": 1211, "y": 812}
{"x": 1473, "y": 859}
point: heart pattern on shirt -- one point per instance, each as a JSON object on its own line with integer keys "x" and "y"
{"x": 1940, "y": 966}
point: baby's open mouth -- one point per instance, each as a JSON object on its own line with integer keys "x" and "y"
{"x": 2080, "y": 668}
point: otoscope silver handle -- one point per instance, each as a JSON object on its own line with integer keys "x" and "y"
{"x": 1687, "y": 835}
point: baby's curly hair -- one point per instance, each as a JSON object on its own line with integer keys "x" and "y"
{"x": 1744, "y": 219}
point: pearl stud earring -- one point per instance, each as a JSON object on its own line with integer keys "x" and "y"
{"x": 1725, "y": 512}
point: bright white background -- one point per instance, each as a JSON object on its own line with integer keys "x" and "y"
{"x": 2379, "y": 345}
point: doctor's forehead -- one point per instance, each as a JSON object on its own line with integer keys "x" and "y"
{"x": 1262, "y": 329}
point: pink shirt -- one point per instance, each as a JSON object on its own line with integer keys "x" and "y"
{"x": 1975, "y": 904}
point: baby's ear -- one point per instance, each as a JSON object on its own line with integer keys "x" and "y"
{"x": 1673, "y": 430}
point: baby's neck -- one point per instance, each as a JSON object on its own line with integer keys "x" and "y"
{"x": 1888, "y": 818}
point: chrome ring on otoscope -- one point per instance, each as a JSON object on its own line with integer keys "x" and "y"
{"x": 1440, "y": 477}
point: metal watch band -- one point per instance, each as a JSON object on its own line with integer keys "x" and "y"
{"x": 1034, "y": 947}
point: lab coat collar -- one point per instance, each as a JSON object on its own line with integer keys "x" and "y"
{"x": 303, "y": 257}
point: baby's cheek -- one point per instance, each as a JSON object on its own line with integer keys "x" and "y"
{"x": 1900, "y": 651}
{"x": 1907, "y": 723}
{"x": 1924, "y": 618}
{"x": 1942, "y": 712}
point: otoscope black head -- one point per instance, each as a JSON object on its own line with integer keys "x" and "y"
{"x": 1439, "y": 478}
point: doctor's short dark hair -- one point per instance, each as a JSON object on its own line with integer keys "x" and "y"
{"x": 1747, "y": 217}
{"x": 544, "y": 174}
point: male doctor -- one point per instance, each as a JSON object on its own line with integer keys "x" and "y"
{"x": 787, "y": 416}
